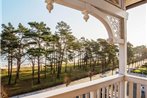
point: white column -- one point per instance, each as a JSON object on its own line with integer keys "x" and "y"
{"x": 123, "y": 59}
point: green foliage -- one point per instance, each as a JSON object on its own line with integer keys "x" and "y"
{"x": 130, "y": 53}
{"x": 58, "y": 52}
{"x": 142, "y": 70}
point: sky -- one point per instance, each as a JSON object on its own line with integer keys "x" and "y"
{"x": 24, "y": 11}
{"x": 137, "y": 25}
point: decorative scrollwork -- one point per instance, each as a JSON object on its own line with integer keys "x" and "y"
{"x": 116, "y": 26}
{"x": 49, "y": 5}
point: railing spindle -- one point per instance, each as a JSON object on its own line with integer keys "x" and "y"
{"x": 112, "y": 91}
{"x": 118, "y": 89}
{"x": 94, "y": 94}
{"x": 139, "y": 90}
{"x": 107, "y": 89}
{"x": 98, "y": 93}
{"x": 130, "y": 89}
{"x": 115, "y": 92}
{"x": 101, "y": 88}
{"x": 145, "y": 91}
{"x": 87, "y": 95}
{"x": 103, "y": 92}
{"x": 81, "y": 96}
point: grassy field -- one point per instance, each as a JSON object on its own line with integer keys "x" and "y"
{"x": 25, "y": 83}
{"x": 141, "y": 70}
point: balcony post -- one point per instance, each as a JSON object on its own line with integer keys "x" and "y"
{"x": 123, "y": 58}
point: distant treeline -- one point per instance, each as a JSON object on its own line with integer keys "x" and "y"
{"x": 38, "y": 45}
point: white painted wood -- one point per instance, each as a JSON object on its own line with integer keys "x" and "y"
{"x": 111, "y": 9}
{"x": 76, "y": 4}
{"x": 107, "y": 94}
{"x": 79, "y": 89}
{"x": 123, "y": 58}
{"x": 98, "y": 93}
{"x": 96, "y": 8}
{"x": 87, "y": 95}
{"x": 123, "y": 51}
{"x": 139, "y": 80}
{"x": 81, "y": 96}
{"x": 94, "y": 94}
{"x": 136, "y": 79}
{"x": 95, "y": 85}
{"x": 145, "y": 91}
{"x": 138, "y": 90}
{"x": 94, "y": 12}
{"x": 103, "y": 92}
{"x": 91, "y": 95}
{"x": 119, "y": 90}
{"x": 115, "y": 93}
{"x": 123, "y": 89}
{"x": 130, "y": 89}
{"x": 99, "y": 13}
{"x": 112, "y": 91}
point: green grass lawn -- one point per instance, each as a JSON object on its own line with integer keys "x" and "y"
{"x": 141, "y": 70}
{"x": 25, "y": 83}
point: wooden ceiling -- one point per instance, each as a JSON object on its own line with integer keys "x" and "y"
{"x": 134, "y": 3}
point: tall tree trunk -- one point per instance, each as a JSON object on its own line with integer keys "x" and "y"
{"x": 9, "y": 64}
{"x": 66, "y": 61}
{"x": 45, "y": 68}
{"x": 80, "y": 61}
{"x": 86, "y": 63}
{"x": 60, "y": 65}
{"x": 38, "y": 58}
{"x": 113, "y": 65}
{"x": 10, "y": 76}
{"x": 18, "y": 69}
{"x": 102, "y": 65}
{"x": 93, "y": 67}
{"x": 59, "y": 70}
{"x": 65, "y": 67}
{"x": 74, "y": 63}
{"x": 90, "y": 63}
{"x": 33, "y": 68}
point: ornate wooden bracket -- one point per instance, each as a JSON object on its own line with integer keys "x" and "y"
{"x": 111, "y": 16}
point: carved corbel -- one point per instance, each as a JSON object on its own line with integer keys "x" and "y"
{"x": 49, "y": 5}
{"x": 86, "y": 15}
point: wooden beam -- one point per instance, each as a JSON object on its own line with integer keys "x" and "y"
{"x": 75, "y": 4}
{"x": 79, "y": 5}
{"x": 130, "y": 4}
{"x": 107, "y": 7}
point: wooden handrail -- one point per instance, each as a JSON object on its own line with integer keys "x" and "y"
{"x": 109, "y": 86}
{"x": 141, "y": 84}
{"x": 136, "y": 79}
{"x": 80, "y": 89}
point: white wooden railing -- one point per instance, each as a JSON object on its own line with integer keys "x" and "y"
{"x": 109, "y": 87}
{"x": 136, "y": 83}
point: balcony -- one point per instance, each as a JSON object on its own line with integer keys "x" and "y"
{"x": 109, "y": 87}
{"x": 122, "y": 85}
{"x": 116, "y": 86}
